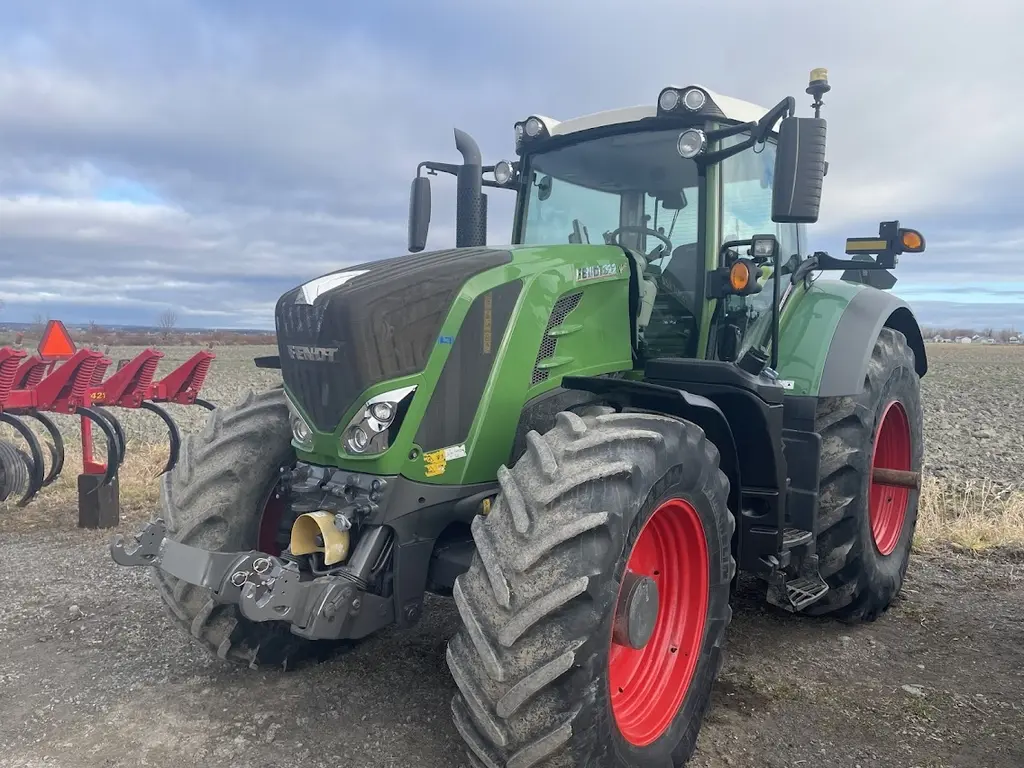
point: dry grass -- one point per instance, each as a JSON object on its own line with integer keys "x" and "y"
{"x": 975, "y": 517}
{"x": 56, "y": 506}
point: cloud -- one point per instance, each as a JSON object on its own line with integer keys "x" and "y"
{"x": 210, "y": 156}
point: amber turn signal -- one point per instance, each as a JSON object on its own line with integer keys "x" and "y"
{"x": 911, "y": 240}
{"x": 739, "y": 276}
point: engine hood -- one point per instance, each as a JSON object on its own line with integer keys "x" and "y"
{"x": 350, "y": 329}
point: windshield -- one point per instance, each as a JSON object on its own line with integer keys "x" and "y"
{"x": 588, "y": 190}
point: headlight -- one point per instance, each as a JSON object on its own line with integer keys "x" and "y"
{"x": 691, "y": 143}
{"x": 369, "y": 431}
{"x": 503, "y": 172}
{"x": 383, "y": 412}
{"x": 302, "y": 433}
{"x": 534, "y": 127}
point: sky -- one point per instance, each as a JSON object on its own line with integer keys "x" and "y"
{"x": 208, "y": 156}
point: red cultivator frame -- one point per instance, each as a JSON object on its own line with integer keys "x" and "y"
{"x": 37, "y": 385}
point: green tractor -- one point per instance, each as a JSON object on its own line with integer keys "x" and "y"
{"x": 581, "y": 437}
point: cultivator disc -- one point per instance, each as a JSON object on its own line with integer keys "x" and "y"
{"x": 63, "y": 379}
{"x": 14, "y": 464}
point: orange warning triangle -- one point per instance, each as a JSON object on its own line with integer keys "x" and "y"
{"x": 56, "y": 341}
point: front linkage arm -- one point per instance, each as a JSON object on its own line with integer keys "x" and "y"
{"x": 264, "y": 587}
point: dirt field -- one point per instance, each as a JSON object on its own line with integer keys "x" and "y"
{"x": 92, "y": 674}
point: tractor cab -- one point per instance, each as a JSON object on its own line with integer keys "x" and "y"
{"x": 709, "y": 195}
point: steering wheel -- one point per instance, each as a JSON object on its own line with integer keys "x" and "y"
{"x": 611, "y": 238}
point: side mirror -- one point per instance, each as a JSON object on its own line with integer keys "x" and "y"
{"x": 799, "y": 170}
{"x": 419, "y": 213}
{"x": 544, "y": 188}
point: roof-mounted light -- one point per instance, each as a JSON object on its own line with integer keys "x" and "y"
{"x": 694, "y": 99}
{"x": 669, "y": 99}
{"x": 691, "y": 143}
{"x": 533, "y": 128}
{"x": 690, "y": 99}
{"x": 530, "y": 129}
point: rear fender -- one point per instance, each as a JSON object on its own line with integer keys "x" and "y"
{"x": 850, "y": 351}
{"x": 828, "y": 331}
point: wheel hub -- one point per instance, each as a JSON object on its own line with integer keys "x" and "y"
{"x": 636, "y": 613}
{"x": 658, "y": 628}
{"x": 887, "y": 504}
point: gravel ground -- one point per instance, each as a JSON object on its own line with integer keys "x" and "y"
{"x": 973, "y": 397}
{"x": 102, "y": 679}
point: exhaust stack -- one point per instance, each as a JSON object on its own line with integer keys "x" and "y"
{"x": 470, "y": 202}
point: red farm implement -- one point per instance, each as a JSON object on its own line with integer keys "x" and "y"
{"x": 61, "y": 379}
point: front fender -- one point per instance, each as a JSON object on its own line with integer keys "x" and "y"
{"x": 827, "y": 333}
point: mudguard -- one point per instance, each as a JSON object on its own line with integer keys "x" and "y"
{"x": 827, "y": 332}
{"x": 855, "y": 336}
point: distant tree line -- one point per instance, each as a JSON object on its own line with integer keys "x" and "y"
{"x": 1002, "y": 335}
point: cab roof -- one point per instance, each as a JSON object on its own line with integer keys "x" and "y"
{"x": 718, "y": 106}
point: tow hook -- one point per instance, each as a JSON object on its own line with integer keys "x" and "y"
{"x": 225, "y": 574}
{"x": 264, "y": 587}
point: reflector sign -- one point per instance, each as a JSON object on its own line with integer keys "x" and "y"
{"x": 56, "y": 341}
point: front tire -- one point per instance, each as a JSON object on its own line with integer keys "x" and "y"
{"x": 866, "y": 529}
{"x": 540, "y": 678}
{"x": 220, "y": 497}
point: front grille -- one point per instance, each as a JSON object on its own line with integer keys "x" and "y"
{"x": 325, "y": 389}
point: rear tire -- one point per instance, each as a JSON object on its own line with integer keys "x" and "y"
{"x": 216, "y": 498}
{"x": 866, "y": 530}
{"x": 534, "y": 660}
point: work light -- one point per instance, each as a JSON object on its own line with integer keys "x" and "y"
{"x": 669, "y": 99}
{"x": 503, "y": 172}
{"x": 692, "y": 142}
{"x": 694, "y": 99}
{"x": 763, "y": 246}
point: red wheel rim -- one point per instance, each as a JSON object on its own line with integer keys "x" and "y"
{"x": 888, "y": 504}
{"x": 270, "y": 525}
{"x": 648, "y": 685}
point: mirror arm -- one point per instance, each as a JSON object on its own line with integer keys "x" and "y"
{"x": 433, "y": 167}
{"x": 758, "y": 132}
{"x": 732, "y": 130}
{"x": 784, "y": 108}
{"x": 723, "y": 154}
{"x": 496, "y": 185}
